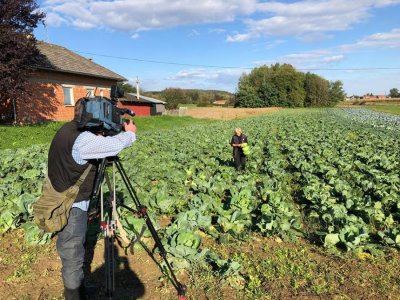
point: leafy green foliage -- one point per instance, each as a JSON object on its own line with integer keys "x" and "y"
{"x": 282, "y": 85}
{"x": 318, "y": 174}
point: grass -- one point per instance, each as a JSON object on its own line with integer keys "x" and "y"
{"x": 391, "y": 109}
{"x": 12, "y": 137}
{"x": 188, "y": 105}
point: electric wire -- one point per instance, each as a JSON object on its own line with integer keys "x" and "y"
{"x": 231, "y": 67}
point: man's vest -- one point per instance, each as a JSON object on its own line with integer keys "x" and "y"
{"x": 63, "y": 170}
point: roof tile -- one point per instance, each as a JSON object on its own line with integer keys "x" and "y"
{"x": 58, "y": 58}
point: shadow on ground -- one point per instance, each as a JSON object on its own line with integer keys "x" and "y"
{"x": 127, "y": 283}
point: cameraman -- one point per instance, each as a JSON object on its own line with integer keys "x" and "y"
{"x": 70, "y": 153}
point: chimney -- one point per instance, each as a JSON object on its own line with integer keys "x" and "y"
{"x": 137, "y": 88}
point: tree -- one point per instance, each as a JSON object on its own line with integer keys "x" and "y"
{"x": 316, "y": 89}
{"x": 127, "y": 87}
{"x": 394, "y": 93}
{"x": 18, "y": 19}
{"x": 173, "y": 96}
{"x": 278, "y": 85}
{"x": 247, "y": 96}
{"x": 336, "y": 92}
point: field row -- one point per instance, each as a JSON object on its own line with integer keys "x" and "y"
{"x": 317, "y": 174}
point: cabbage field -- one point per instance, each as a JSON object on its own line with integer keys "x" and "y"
{"x": 329, "y": 177}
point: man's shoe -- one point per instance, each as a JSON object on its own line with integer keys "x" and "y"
{"x": 91, "y": 289}
{"x": 74, "y": 294}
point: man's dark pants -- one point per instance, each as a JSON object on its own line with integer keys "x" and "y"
{"x": 239, "y": 161}
{"x": 71, "y": 248}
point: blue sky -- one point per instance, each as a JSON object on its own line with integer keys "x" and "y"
{"x": 357, "y": 42}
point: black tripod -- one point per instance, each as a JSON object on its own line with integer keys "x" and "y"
{"x": 109, "y": 225}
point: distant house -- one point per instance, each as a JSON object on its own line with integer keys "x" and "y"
{"x": 59, "y": 79}
{"x": 142, "y": 105}
{"x": 374, "y": 97}
{"x": 220, "y": 102}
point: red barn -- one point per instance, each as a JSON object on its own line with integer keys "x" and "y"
{"x": 142, "y": 105}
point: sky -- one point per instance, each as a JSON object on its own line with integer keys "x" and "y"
{"x": 209, "y": 44}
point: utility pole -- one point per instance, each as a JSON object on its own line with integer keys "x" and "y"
{"x": 137, "y": 88}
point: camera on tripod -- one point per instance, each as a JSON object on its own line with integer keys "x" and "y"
{"x": 101, "y": 114}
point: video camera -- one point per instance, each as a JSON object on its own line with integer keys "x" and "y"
{"x": 101, "y": 114}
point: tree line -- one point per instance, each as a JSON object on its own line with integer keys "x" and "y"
{"x": 283, "y": 85}
{"x": 175, "y": 96}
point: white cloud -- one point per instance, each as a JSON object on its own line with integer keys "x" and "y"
{"x": 274, "y": 44}
{"x": 135, "y": 36}
{"x": 381, "y": 39}
{"x": 308, "y": 19}
{"x": 193, "y": 32}
{"x": 307, "y": 60}
{"x": 333, "y": 58}
{"x": 216, "y": 30}
{"x": 135, "y": 15}
{"x": 221, "y": 79}
{"x": 55, "y": 20}
{"x": 241, "y": 37}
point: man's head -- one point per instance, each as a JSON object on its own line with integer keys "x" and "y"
{"x": 238, "y": 131}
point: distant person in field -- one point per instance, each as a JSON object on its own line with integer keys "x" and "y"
{"x": 239, "y": 158}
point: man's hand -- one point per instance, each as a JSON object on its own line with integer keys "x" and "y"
{"x": 129, "y": 126}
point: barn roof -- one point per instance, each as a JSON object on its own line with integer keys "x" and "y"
{"x": 60, "y": 59}
{"x": 132, "y": 97}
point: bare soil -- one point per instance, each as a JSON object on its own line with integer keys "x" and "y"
{"x": 272, "y": 268}
{"x": 137, "y": 275}
{"x": 228, "y": 113}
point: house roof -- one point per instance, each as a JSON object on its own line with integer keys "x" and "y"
{"x": 220, "y": 102}
{"x": 60, "y": 59}
{"x": 132, "y": 97}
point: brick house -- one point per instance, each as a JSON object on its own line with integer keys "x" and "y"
{"x": 59, "y": 79}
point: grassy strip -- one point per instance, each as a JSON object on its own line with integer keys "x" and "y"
{"x": 391, "y": 109}
{"x": 12, "y": 137}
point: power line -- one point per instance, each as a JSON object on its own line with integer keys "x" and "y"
{"x": 162, "y": 62}
{"x": 232, "y": 67}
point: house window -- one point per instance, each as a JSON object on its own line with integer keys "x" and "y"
{"x": 89, "y": 92}
{"x": 68, "y": 96}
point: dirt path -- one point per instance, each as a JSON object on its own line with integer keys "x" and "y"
{"x": 228, "y": 113}
{"x": 28, "y": 272}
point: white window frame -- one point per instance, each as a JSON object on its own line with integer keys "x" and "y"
{"x": 71, "y": 87}
{"x": 90, "y": 89}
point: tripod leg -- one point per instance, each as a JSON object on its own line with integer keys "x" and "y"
{"x": 179, "y": 287}
{"x": 109, "y": 265}
{"x": 109, "y": 238}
